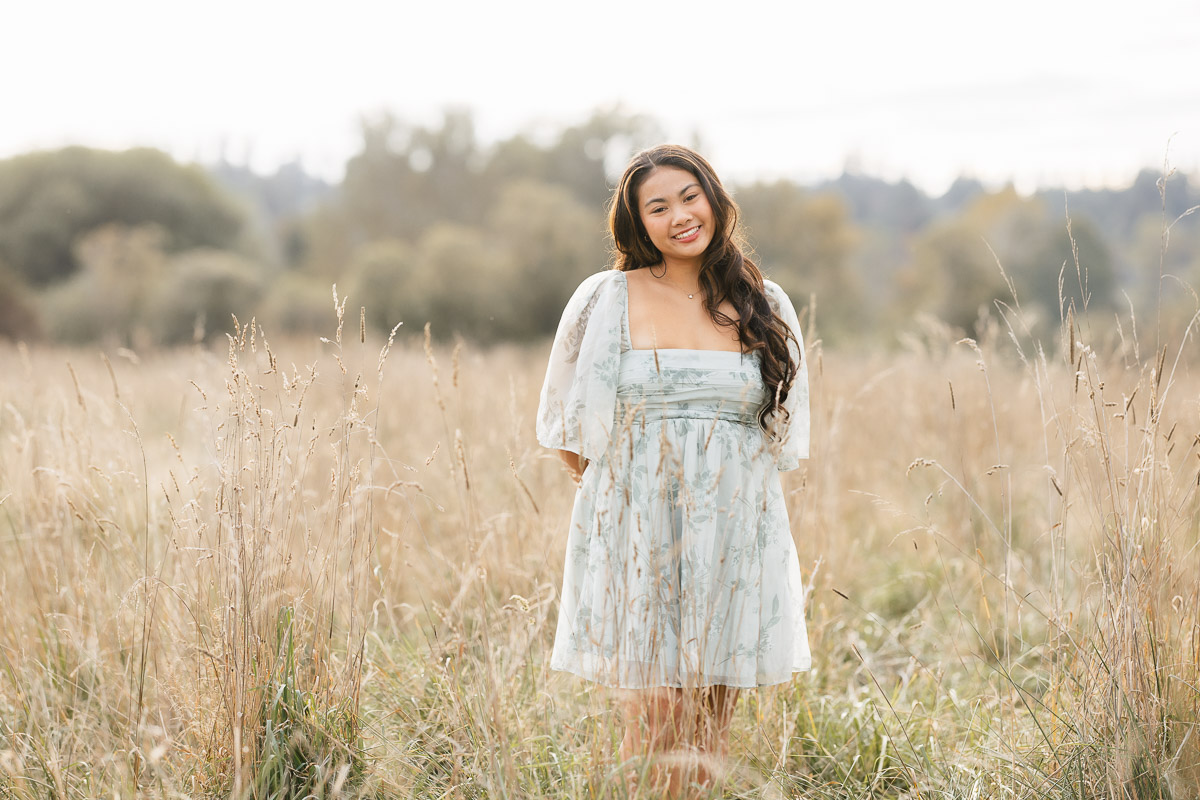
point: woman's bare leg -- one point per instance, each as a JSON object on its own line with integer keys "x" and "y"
{"x": 657, "y": 722}
{"x": 683, "y": 733}
{"x": 715, "y": 714}
{"x": 654, "y": 720}
{"x": 713, "y": 709}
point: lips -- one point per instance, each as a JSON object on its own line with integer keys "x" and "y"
{"x": 687, "y": 235}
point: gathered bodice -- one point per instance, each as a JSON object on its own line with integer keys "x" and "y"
{"x": 595, "y": 378}
{"x": 691, "y": 384}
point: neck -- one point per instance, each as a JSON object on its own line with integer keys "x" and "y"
{"x": 683, "y": 272}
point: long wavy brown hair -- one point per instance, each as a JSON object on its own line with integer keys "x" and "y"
{"x": 726, "y": 273}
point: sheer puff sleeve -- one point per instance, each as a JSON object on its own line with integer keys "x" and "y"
{"x": 794, "y": 433}
{"x": 579, "y": 396}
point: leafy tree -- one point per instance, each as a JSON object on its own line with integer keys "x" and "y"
{"x": 407, "y": 178}
{"x": 538, "y": 208}
{"x": 273, "y": 204}
{"x": 325, "y": 241}
{"x": 1032, "y": 244}
{"x": 1090, "y": 283}
{"x": 49, "y": 199}
{"x": 580, "y": 159}
{"x": 552, "y": 242}
{"x": 449, "y": 163}
{"x": 959, "y": 266}
{"x": 951, "y": 274}
{"x": 515, "y": 273}
{"x": 457, "y": 275}
{"x": 1175, "y": 256}
{"x": 804, "y": 241}
{"x": 288, "y": 191}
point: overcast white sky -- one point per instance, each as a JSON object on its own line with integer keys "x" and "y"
{"x": 1038, "y": 91}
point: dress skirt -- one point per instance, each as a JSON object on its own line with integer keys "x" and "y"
{"x": 681, "y": 569}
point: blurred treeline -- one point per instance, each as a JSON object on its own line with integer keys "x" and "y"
{"x": 486, "y": 241}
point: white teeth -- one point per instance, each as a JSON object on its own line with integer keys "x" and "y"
{"x": 686, "y": 233}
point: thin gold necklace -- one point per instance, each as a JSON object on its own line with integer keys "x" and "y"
{"x": 691, "y": 295}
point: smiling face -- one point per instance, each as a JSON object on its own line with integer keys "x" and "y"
{"x": 676, "y": 214}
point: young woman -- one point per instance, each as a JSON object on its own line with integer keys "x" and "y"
{"x": 676, "y": 392}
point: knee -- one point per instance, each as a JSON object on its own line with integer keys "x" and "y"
{"x": 656, "y": 709}
{"x": 667, "y": 707}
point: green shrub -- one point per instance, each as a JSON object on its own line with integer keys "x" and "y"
{"x": 109, "y": 296}
{"x": 18, "y": 315}
{"x": 298, "y": 304}
{"x": 202, "y": 290}
{"x": 383, "y": 280}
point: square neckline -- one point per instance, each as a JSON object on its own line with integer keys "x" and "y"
{"x": 627, "y": 337}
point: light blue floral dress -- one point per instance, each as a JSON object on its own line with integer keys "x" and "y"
{"x": 680, "y": 568}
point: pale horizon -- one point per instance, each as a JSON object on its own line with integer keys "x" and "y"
{"x": 1066, "y": 95}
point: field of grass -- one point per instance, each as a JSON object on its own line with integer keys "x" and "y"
{"x": 331, "y": 569}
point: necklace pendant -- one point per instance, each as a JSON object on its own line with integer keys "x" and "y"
{"x": 690, "y": 296}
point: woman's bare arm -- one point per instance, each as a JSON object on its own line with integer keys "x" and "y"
{"x": 576, "y": 464}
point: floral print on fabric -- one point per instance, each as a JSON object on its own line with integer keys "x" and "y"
{"x": 578, "y": 396}
{"x": 680, "y": 569}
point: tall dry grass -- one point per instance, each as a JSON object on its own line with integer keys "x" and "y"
{"x": 331, "y": 569}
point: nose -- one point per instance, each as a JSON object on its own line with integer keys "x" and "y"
{"x": 681, "y": 217}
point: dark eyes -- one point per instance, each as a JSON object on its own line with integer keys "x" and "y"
{"x": 687, "y": 199}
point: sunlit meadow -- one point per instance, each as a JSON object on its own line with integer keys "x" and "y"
{"x": 330, "y": 568}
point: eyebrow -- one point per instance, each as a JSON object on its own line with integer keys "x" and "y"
{"x": 653, "y": 200}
